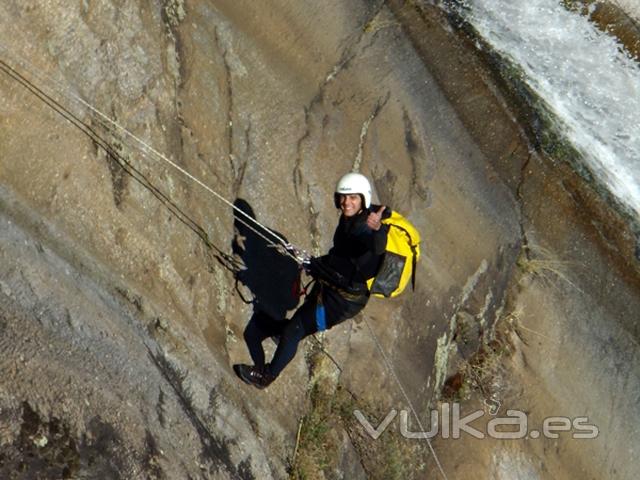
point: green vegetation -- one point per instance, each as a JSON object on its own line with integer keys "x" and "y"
{"x": 483, "y": 373}
{"x": 319, "y": 442}
{"x": 322, "y": 440}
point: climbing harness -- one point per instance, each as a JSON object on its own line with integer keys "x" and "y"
{"x": 297, "y": 290}
{"x": 350, "y": 296}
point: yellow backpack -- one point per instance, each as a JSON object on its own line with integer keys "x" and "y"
{"x": 400, "y": 259}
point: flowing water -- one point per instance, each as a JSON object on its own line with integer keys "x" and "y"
{"x": 584, "y": 75}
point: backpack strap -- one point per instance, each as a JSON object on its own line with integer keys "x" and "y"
{"x": 414, "y": 258}
{"x": 414, "y": 262}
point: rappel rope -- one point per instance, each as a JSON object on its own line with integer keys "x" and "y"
{"x": 405, "y": 395}
{"x": 281, "y": 245}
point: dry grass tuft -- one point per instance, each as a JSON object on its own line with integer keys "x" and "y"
{"x": 544, "y": 264}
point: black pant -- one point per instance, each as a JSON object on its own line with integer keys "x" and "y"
{"x": 303, "y": 323}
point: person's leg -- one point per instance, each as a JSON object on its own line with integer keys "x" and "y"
{"x": 302, "y": 324}
{"x": 259, "y": 328}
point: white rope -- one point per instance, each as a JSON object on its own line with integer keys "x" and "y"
{"x": 404, "y": 393}
{"x": 145, "y": 148}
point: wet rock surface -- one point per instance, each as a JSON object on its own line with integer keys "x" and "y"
{"x": 120, "y": 314}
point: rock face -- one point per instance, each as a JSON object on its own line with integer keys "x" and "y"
{"x": 122, "y": 280}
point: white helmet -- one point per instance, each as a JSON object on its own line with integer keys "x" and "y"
{"x": 353, "y": 183}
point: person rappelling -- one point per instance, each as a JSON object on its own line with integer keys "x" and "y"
{"x": 340, "y": 290}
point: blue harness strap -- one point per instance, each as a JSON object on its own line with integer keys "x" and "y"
{"x": 321, "y": 319}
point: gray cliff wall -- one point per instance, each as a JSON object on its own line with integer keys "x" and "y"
{"x": 119, "y": 316}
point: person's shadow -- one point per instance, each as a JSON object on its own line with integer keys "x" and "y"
{"x": 270, "y": 276}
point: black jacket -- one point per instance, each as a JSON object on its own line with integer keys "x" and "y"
{"x": 356, "y": 253}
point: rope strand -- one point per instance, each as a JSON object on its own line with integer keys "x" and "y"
{"x": 406, "y": 397}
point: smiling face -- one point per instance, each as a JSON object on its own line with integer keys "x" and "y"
{"x": 350, "y": 204}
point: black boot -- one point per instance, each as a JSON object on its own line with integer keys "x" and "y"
{"x": 253, "y": 375}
